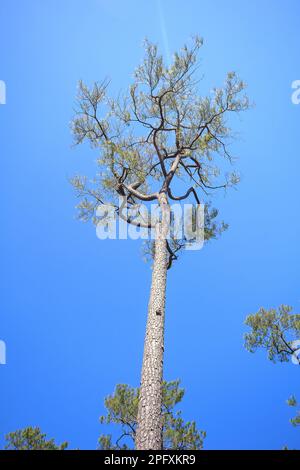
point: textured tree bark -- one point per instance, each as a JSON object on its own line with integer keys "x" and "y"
{"x": 149, "y": 422}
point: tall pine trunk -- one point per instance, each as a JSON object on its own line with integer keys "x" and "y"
{"x": 149, "y": 422}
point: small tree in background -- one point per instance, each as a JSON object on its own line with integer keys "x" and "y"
{"x": 122, "y": 409}
{"x": 278, "y": 332}
{"x": 275, "y": 331}
{"x": 31, "y": 438}
{"x": 160, "y": 142}
{"x": 293, "y": 402}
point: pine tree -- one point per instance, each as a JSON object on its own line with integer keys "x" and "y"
{"x": 160, "y": 142}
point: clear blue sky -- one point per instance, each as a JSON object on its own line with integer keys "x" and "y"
{"x": 73, "y": 308}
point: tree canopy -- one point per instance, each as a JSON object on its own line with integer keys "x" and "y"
{"x": 276, "y": 331}
{"x": 31, "y": 438}
{"x": 159, "y": 137}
